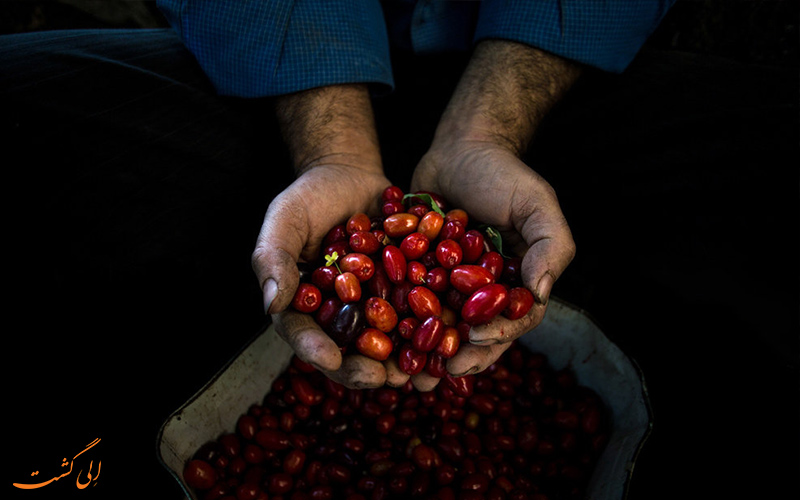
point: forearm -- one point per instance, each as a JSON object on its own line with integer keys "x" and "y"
{"x": 333, "y": 124}
{"x": 503, "y": 95}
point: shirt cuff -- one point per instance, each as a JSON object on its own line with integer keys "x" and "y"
{"x": 259, "y": 48}
{"x": 605, "y": 35}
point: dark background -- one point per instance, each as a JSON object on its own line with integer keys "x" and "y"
{"x": 679, "y": 180}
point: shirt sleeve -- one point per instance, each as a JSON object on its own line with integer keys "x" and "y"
{"x": 604, "y": 34}
{"x": 258, "y": 48}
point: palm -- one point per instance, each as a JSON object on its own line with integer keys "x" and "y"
{"x": 498, "y": 189}
{"x": 293, "y": 229}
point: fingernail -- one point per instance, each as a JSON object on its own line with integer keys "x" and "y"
{"x": 482, "y": 341}
{"x": 477, "y": 336}
{"x": 472, "y": 370}
{"x": 543, "y": 288}
{"x": 270, "y": 291}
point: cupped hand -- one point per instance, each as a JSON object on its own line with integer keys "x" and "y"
{"x": 295, "y": 224}
{"x": 496, "y": 188}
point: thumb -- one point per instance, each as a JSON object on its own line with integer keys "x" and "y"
{"x": 551, "y": 251}
{"x": 281, "y": 240}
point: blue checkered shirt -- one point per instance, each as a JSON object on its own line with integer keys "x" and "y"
{"x": 255, "y": 48}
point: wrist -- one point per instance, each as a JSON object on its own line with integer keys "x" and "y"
{"x": 330, "y": 125}
{"x": 503, "y": 95}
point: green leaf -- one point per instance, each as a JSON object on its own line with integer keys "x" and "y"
{"x": 497, "y": 240}
{"x": 426, "y": 198}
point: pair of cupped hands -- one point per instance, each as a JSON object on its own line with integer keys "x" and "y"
{"x": 340, "y": 174}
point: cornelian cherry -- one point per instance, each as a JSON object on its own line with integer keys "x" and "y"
{"x": 416, "y": 272}
{"x": 400, "y": 225}
{"x": 424, "y": 303}
{"x": 394, "y": 263}
{"x": 467, "y": 278}
{"x": 411, "y": 361}
{"x": 392, "y": 193}
{"x": 358, "y": 222}
{"x": 359, "y": 264}
{"x": 348, "y": 287}
{"x": 520, "y": 302}
{"x": 449, "y": 253}
{"x": 380, "y": 314}
{"x": 428, "y": 334}
{"x": 364, "y": 242}
{"x": 374, "y": 344}
{"x": 414, "y": 246}
{"x": 449, "y": 343}
{"x": 200, "y": 474}
{"x": 430, "y": 225}
{"x": 484, "y": 304}
{"x": 307, "y": 298}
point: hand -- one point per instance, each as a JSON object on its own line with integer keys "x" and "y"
{"x": 497, "y": 188}
{"x": 474, "y": 162}
{"x": 331, "y": 136}
{"x": 295, "y": 224}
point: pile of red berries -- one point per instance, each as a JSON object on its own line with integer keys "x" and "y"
{"x": 519, "y": 430}
{"x": 411, "y": 282}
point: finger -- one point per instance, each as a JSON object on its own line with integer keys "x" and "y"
{"x": 395, "y": 377}
{"x": 359, "y": 372}
{"x": 424, "y": 382}
{"x": 472, "y": 359}
{"x": 502, "y": 330}
{"x": 314, "y": 346}
{"x": 277, "y": 252}
{"x": 551, "y": 249}
{"x": 307, "y": 340}
{"x": 543, "y": 264}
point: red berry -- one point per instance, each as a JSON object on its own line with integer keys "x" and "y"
{"x": 493, "y": 262}
{"x": 484, "y": 304}
{"x": 394, "y": 263}
{"x": 414, "y": 246}
{"x": 452, "y": 230}
{"x": 392, "y": 207}
{"x": 428, "y": 334}
{"x": 380, "y": 314}
{"x": 457, "y": 215}
{"x": 472, "y": 245}
{"x": 323, "y": 277}
{"x": 467, "y": 278}
{"x": 431, "y": 225}
{"x": 364, "y": 242}
{"x": 200, "y": 475}
{"x": 520, "y": 302}
{"x": 437, "y": 279}
{"x": 400, "y": 225}
{"x": 358, "y": 222}
{"x": 416, "y": 272}
{"x": 449, "y": 253}
{"x": 374, "y": 344}
{"x": 307, "y": 298}
{"x": 359, "y": 264}
{"x": 406, "y": 327}
{"x": 348, "y": 287}
{"x": 424, "y": 303}
{"x": 449, "y": 343}
{"x": 392, "y": 193}
{"x": 336, "y": 233}
{"x": 410, "y": 361}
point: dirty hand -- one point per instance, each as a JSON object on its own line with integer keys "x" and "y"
{"x": 474, "y": 162}
{"x": 330, "y": 134}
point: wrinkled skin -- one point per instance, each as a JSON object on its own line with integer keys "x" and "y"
{"x": 474, "y": 162}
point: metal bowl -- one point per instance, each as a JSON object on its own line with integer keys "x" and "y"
{"x": 567, "y": 336}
